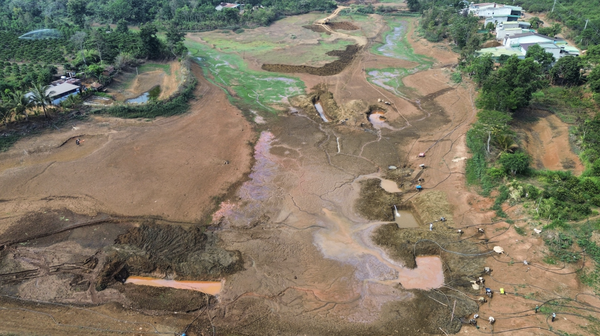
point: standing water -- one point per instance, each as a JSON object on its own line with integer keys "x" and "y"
{"x": 208, "y": 287}
{"x": 321, "y": 111}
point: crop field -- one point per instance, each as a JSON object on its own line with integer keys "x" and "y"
{"x": 251, "y": 89}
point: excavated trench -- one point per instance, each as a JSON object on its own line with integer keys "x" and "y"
{"x": 345, "y": 58}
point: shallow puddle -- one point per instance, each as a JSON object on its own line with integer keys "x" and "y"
{"x": 350, "y": 243}
{"x": 208, "y": 287}
{"x": 321, "y": 112}
{"x": 405, "y": 219}
{"x": 140, "y": 99}
{"x": 428, "y": 274}
{"x": 390, "y": 186}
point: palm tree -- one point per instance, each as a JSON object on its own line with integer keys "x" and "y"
{"x": 19, "y": 103}
{"x": 5, "y": 113}
{"x": 41, "y": 96}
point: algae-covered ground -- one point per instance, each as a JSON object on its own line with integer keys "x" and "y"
{"x": 396, "y": 45}
{"x": 246, "y": 88}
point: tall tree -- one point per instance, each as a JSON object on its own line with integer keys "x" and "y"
{"x": 99, "y": 40}
{"x": 512, "y": 86}
{"x": 536, "y": 22}
{"x": 78, "y": 39}
{"x": 545, "y": 59}
{"x": 150, "y": 43}
{"x": 122, "y": 27}
{"x": 19, "y": 103}
{"x": 480, "y": 68}
{"x": 41, "y": 96}
{"x": 175, "y": 39}
{"x": 77, "y": 10}
{"x": 567, "y": 71}
{"x": 413, "y": 5}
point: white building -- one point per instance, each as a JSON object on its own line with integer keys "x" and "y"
{"x": 495, "y": 13}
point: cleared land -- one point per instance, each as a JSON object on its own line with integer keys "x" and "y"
{"x": 132, "y": 83}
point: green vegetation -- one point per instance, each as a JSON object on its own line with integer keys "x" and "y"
{"x": 251, "y": 89}
{"x": 176, "y": 105}
{"x": 196, "y": 15}
{"x": 396, "y": 46}
{"x": 8, "y": 140}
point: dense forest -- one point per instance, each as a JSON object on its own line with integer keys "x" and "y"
{"x": 23, "y": 15}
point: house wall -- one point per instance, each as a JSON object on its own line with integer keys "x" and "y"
{"x": 496, "y": 19}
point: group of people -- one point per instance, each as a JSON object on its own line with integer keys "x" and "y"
{"x": 481, "y": 282}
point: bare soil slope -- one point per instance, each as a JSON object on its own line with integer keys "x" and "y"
{"x": 168, "y": 167}
{"x": 547, "y": 140}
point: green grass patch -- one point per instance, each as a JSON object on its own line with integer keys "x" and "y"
{"x": 520, "y": 231}
{"x": 248, "y": 88}
{"x": 396, "y": 44}
{"x": 6, "y": 141}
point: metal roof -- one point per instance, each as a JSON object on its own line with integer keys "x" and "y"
{"x": 59, "y": 89}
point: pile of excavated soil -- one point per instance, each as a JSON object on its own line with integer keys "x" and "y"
{"x": 170, "y": 251}
{"x": 162, "y": 298}
{"x": 345, "y": 58}
{"x": 342, "y": 25}
{"x": 319, "y": 94}
{"x": 317, "y": 29}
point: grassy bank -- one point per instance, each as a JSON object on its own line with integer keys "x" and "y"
{"x": 396, "y": 45}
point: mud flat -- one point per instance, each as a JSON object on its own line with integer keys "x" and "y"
{"x": 307, "y": 242}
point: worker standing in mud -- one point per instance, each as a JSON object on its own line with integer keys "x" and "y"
{"x": 77, "y": 142}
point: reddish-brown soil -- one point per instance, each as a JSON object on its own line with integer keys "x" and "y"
{"x": 163, "y": 168}
{"x": 427, "y": 82}
{"x": 309, "y": 266}
{"x": 547, "y": 140}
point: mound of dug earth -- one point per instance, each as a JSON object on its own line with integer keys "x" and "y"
{"x": 343, "y": 25}
{"x": 329, "y": 69}
{"x": 167, "y": 251}
{"x": 319, "y": 94}
{"x": 317, "y": 29}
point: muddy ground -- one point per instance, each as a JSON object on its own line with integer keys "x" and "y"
{"x": 292, "y": 239}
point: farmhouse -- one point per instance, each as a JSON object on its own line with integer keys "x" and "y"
{"x": 60, "y": 90}
{"x": 224, "y": 5}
